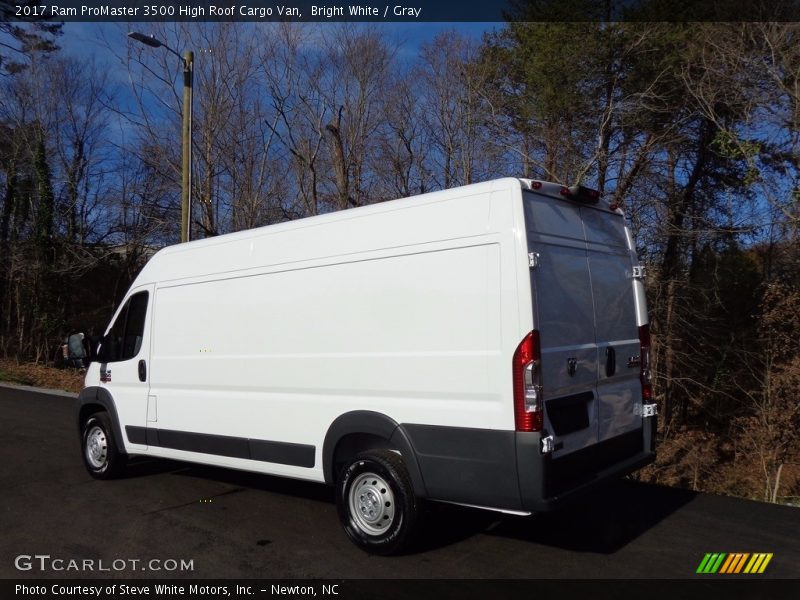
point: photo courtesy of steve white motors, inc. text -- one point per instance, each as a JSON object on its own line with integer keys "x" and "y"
{"x": 233, "y": 11}
{"x": 194, "y": 590}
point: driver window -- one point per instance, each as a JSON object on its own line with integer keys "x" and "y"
{"x": 114, "y": 338}
{"x": 125, "y": 337}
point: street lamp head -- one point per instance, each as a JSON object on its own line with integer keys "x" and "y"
{"x": 148, "y": 40}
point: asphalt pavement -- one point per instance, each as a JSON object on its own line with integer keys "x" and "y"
{"x": 230, "y": 524}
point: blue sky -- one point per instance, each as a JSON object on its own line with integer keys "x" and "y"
{"x": 87, "y": 39}
{"x": 105, "y": 44}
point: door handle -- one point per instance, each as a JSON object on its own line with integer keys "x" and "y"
{"x": 142, "y": 370}
{"x": 611, "y": 361}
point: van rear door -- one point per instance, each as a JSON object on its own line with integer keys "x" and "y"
{"x": 616, "y": 332}
{"x": 584, "y": 310}
{"x": 564, "y": 315}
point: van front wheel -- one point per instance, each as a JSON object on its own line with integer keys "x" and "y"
{"x": 101, "y": 455}
{"x": 376, "y": 502}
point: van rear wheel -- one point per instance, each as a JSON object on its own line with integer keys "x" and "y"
{"x": 376, "y": 502}
{"x": 101, "y": 455}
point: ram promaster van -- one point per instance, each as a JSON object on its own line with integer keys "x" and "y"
{"x": 486, "y": 345}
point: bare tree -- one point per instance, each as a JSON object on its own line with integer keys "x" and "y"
{"x": 452, "y": 90}
{"x": 354, "y": 91}
{"x": 298, "y": 110}
{"x": 404, "y": 153}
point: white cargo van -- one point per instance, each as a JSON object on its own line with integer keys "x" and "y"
{"x": 485, "y": 345}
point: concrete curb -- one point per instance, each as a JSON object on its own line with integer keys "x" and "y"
{"x": 28, "y": 388}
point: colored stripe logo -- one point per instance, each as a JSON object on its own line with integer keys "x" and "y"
{"x": 734, "y": 563}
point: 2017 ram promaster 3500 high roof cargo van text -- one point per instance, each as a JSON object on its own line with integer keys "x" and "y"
{"x": 486, "y": 345}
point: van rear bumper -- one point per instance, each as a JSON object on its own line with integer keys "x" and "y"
{"x": 546, "y": 482}
{"x": 507, "y": 470}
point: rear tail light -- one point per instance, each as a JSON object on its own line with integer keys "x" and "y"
{"x": 527, "y": 376}
{"x": 644, "y": 364}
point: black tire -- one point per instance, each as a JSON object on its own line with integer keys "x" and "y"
{"x": 388, "y": 506}
{"x": 101, "y": 454}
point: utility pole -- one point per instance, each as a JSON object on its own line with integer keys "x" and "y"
{"x": 186, "y": 135}
{"x": 186, "y": 180}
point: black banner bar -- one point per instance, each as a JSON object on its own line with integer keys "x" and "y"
{"x": 401, "y": 10}
{"x": 704, "y": 588}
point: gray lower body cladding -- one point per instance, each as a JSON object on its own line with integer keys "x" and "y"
{"x": 506, "y": 469}
{"x": 483, "y": 467}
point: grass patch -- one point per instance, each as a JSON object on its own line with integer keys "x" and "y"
{"x": 17, "y": 378}
{"x": 38, "y": 375}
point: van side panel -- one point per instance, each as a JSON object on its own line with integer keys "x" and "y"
{"x": 439, "y": 216}
{"x": 277, "y": 354}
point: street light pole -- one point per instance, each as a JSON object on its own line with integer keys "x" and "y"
{"x": 186, "y": 181}
{"x": 186, "y": 136}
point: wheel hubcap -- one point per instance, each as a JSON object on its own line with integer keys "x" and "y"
{"x": 96, "y": 447}
{"x": 372, "y": 504}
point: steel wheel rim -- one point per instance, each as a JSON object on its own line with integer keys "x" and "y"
{"x": 96, "y": 447}
{"x": 372, "y": 504}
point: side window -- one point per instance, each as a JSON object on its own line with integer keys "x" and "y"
{"x": 113, "y": 340}
{"x": 134, "y": 329}
{"x": 125, "y": 337}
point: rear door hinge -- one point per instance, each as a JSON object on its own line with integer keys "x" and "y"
{"x": 639, "y": 272}
{"x": 533, "y": 259}
{"x": 646, "y": 410}
{"x": 548, "y": 444}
